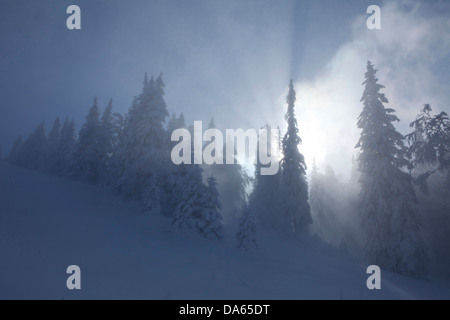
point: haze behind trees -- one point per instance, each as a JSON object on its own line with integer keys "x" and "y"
{"x": 379, "y": 215}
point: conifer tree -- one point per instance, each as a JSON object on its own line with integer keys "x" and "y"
{"x": 172, "y": 124}
{"x": 232, "y": 182}
{"x": 430, "y": 145}
{"x": 294, "y": 187}
{"x": 187, "y": 216}
{"x": 265, "y": 200}
{"x": 174, "y": 182}
{"x": 387, "y": 198}
{"x": 199, "y": 209}
{"x": 246, "y": 235}
{"x": 109, "y": 131}
{"x": 212, "y": 216}
{"x": 142, "y": 149}
{"x": 87, "y": 157}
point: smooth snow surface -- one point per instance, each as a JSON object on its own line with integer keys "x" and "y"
{"x": 48, "y": 223}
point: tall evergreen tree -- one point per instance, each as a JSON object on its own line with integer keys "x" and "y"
{"x": 107, "y": 131}
{"x": 265, "y": 200}
{"x": 172, "y": 125}
{"x": 246, "y": 235}
{"x": 430, "y": 145}
{"x": 387, "y": 198}
{"x": 110, "y": 127}
{"x": 87, "y": 156}
{"x": 189, "y": 212}
{"x": 212, "y": 216}
{"x": 142, "y": 150}
{"x": 174, "y": 181}
{"x": 199, "y": 209}
{"x": 294, "y": 187}
{"x": 159, "y": 114}
{"x": 198, "y": 206}
{"x": 232, "y": 182}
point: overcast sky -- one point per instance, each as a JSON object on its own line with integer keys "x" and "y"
{"x": 231, "y": 60}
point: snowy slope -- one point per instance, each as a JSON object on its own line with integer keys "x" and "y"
{"x": 47, "y": 224}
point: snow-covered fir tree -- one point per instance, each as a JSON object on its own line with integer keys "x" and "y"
{"x": 159, "y": 153}
{"x": 387, "y": 198}
{"x": 430, "y": 151}
{"x": 198, "y": 205}
{"x": 109, "y": 130}
{"x": 172, "y": 124}
{"x": 265, "y": 200}
{"x": 175, "y": 179}
{"x": 296, "y": 212}
{"x": 246, "y": 235}
{"x": 175, "y": 123}
{"x": 142, "y": 150}
{"x": 430, "y": 145}
{"x": 232, "y": 183}
{"x": 87, "y": 156}
{"x": 212, "y": 216}
{"x": 174, "y": 189}
{"x": 188, "y": 216}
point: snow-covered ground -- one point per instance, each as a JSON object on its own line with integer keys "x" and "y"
{"x": 48, "y": 223}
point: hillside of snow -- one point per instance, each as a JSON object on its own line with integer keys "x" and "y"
{"x": 48, "y": 224}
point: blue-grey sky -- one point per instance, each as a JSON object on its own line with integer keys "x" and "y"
{"x": 227, "y": 59}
